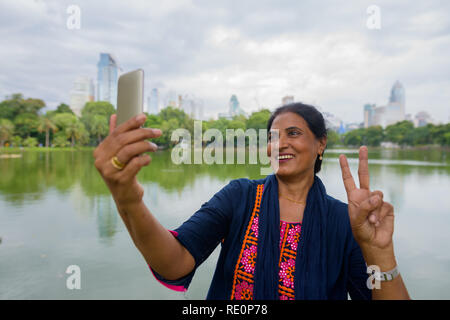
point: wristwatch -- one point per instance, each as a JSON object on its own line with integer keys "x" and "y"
{"x": 387, "y": 275}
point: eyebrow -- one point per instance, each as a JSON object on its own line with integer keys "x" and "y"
{"x": 290, "y": 128}
{"x": 287, "y": 129}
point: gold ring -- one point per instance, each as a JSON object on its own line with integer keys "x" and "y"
{"x": 116, "y": 163}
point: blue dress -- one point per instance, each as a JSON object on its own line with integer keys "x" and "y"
{"x": 329, "y": 262}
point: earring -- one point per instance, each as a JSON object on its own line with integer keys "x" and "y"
{"x": 320, "y": 157}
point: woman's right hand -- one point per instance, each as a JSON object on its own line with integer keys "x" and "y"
{"x": 128, "y": 141}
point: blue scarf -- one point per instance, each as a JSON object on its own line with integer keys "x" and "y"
{"x": 310, "y": 265}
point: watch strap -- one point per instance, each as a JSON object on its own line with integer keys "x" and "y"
{"x": 387, "y": 275}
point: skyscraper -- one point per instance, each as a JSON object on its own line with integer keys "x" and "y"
{"x": 397, "y": 93}
{"x": 235, "y": 108}
{"x": 396, "y": 106}
{"x": 392, "y": 113}
{"x": 369, "y": 113}
{"x": 107, "y": 77}
{"x": 82, "y": 92}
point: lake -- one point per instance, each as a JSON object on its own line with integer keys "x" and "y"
{"x": 56, "y": 211}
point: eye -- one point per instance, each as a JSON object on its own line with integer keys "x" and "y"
{"x": 294, "y": 133}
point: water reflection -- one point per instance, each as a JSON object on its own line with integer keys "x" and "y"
{"x": 55, "y": 203}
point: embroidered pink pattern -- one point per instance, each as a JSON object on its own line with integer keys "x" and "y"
{"x": 244, "y": 291}
{"x": 287, "y": 273}
{"x": 255, "y": 226}
{"x": 288, "y": 253}
{"x": 249, "y": 259}
{"x": 289, "y": 238}
{"x": 293, "y": 237}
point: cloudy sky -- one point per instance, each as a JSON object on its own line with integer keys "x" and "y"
{"x": 321, "y": 52}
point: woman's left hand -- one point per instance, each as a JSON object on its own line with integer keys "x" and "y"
{"x": 371, "y": 219}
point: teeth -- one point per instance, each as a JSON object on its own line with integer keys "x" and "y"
{"x": 285, "y": 157}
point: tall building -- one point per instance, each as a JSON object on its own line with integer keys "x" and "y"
{"x": 82, "y": 92}
{"x": 107, "y": 77}
{"x": 369, "y": 112}
{"x": 422, "y": 118}
{"x": 396, "y": 106}
{"x": 234, "y": 107}
{"x": 191, "y": 105}
{"x": 389, "y": 114}
{"x": 287, "y": 100}
{"x": 153, "y": 102}
{"x": 397, "y": 93}
{"x": 171, "y": 99}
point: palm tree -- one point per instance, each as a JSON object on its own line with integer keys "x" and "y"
{"x": 46, "y": 124}
{"x": 74, "y": 131}
{"x": 99, "y": 127}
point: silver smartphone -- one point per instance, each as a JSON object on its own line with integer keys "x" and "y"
{"x": 130, "y": 95}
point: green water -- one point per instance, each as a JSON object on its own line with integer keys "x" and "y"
{"x": 55, "y": 211}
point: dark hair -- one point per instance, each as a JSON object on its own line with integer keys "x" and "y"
{"x": 314, "y": 119}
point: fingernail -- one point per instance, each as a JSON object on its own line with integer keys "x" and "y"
{"x": 154, "y": 145}
{"x": 140, "y": 117}
{"x": 374, "y": 200}
{"x": 156, "y": 131}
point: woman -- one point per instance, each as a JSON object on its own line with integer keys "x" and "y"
{"x": 282, "y": 237}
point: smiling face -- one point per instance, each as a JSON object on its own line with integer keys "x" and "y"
{"x": 298, "y": 146}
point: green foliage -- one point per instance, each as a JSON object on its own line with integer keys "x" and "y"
{"x": 258, "y": 120}
{"x": 26, "y": 124}
{"x": 20, "y": 119}
{"x": 400, "y": 132}
{"x": 354, "y": 137}
{"x": 60, "y": 140}
{"x": 374, "y": 136}
{"x": 16, "y": 141}
{"x": 63, "y": 108}
{"x": 6, "y": 131}
{"x": 15, "y": 105}
{"x": 30, "y": 142}
{"x": 333, "y": 138}
{"x": 95, "y": 118}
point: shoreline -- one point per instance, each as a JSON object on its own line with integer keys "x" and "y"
{"x": 15, "y": 150}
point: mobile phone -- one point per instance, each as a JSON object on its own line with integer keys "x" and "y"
{"x": 130, "y": 95}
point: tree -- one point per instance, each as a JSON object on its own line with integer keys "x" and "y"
{"x": 373, "y": 136}
{"x": 70, "y": 125}
{"x": 6, "y": 131}
{"x": 422, "y": 135}
{"x": 332, "y": 138}
{"x": 90, "y": 110}
{"x": 103, "y": 108}
{"x": 64, "y": 108}
{"x": 400, "y": 132}
{"x": 258, "y": 120}
{"x": 74, "y": 131}
{"x": 60, "y": 140}
{"x": 16, "y": 141}
{"x": 25, "y": 124}
{"x": 30, "y": 142}
{"x": 100, "y": 127}
{"x": 354, "y": 137}
{"x": 45, "y": 124}
{"x": 31, "y": 105}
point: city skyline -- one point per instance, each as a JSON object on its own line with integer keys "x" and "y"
{"x": 329, "y": 58}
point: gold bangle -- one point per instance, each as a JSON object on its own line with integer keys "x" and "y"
{"x": 116, "y": 163}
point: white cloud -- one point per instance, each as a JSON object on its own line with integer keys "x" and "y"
{"x": 261, "y": 51}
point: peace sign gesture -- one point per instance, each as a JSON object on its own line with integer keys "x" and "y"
{"x": 371, "y": 219}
